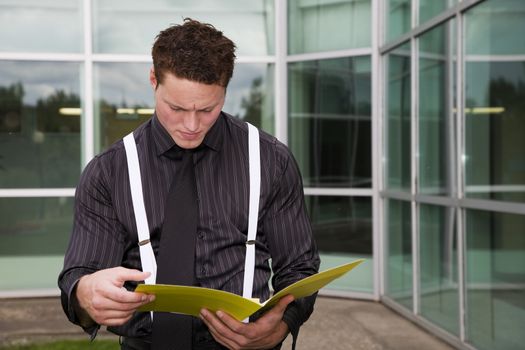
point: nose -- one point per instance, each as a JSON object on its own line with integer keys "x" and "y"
{"x": 191, "y": 121}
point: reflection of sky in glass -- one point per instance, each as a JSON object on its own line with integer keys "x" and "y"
{"x": 41, "y": 79}
{"x": 119, "y": 83}
{"x": 248, "y": 23}
{"x": 240, "y": 85}
{"x": 41, "y": 25}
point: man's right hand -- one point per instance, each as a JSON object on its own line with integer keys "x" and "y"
{"x": 105, "y": 300}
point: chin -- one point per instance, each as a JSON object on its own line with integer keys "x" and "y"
{"x": 189, "y": 144}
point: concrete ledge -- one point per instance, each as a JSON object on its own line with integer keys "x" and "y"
{"x": 335, "y": 324}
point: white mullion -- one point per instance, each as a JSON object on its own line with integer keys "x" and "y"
{"x": 255, "y": 59}
{"x": 281, "y": 71}
{"x": 37, "y": 192}
{"x": 127, "y": 58}
{"x": 88, "y": 135}
{"x": 377, "y": 247}
{"x": 414, "y": 150}
{"x": 346, "y": 192}
{"x": 124, "y": 58}
{"x": 460, "y": 184}
{"x": 329, "y": 54}
{"x": 492, "y": 58}
{"x": 27, "y": 56}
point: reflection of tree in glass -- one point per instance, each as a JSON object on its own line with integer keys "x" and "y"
{"x": 115, "y": 124}
{"x": 49, "y": 117}
{"x": 506, "y": 136}
{"x": 10, "y": 110}
{"x": 252, "y": 104}
{"x": 11, "y": 107}
{"x": 504, "y": 93}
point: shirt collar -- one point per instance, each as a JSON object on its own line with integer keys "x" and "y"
{"x": 215, "y": 135}
{"x": 161, "y": 137}
{"x": 164, "y": 142}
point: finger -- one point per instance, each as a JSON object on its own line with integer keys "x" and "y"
{"x": 104, "y": 316}
{"x": 123, "y": 274}
{"x": 118, "y": 321}
{"x": 214, "y": 322}
{"x": 103, "y": 303}
{"x": 233, "y": 324}
{"x": 114, "y": 314}
{"x": 221, "y": 339}
{"x": 122, "y": 295}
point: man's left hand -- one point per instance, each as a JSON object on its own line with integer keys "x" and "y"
{"x": 265, "y": 333}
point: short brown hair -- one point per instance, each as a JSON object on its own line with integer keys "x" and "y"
{"x": 195, "y": 51}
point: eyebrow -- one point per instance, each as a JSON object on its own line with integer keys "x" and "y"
{"x": 172, "y": 105}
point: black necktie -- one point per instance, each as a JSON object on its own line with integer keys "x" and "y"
{"x": 175, "y": 261}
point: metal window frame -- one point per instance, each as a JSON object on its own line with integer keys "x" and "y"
{"x": 458, "y": 202}
{"x": 87, "y": 58}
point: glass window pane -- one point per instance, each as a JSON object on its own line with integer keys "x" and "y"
{"x": 431, "y": 8}
{"x": 494, "y": 107}
{"x": 124, "y": 98}
{"x": 436, "y": 101}
{"x": 35, "y": 233}
{"x": 495, "y": 273}
{"x": 330, "y": 121}
{"x": 325, "y": 25}
{"x": 250, "y": 95}
{"x": 41, "y": 26}
{"x": 342, "y": 228}
{"x": 439, "y": 266}
{"x": 397, "y": 119}
{"x": 39, "y": 124}
{"x": 495, "y": 28}
{"x": 398, "y": 237}
{"x": 398, "y": 18}
{"x": 124, "y": 26}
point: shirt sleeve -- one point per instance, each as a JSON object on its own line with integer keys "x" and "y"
{"x": 96, "y": 239}
{"x": 290, "y": 239}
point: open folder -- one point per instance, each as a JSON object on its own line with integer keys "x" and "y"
{"x": 190, "y": 300}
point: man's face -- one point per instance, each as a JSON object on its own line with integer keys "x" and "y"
{"x": 187, "y": 109}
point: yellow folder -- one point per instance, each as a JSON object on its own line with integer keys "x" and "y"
{"x": 190, "y": 300}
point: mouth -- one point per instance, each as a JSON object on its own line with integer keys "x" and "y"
{"x": 190, "y": 136}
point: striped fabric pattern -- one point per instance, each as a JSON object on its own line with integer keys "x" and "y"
{"x": 104, "y": 233}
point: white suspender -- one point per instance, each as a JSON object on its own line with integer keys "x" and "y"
{"x": 253, "y": 211}
{"x": 147, "y": 256}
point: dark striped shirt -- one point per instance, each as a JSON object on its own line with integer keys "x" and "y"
{"x": 105, "y": 234}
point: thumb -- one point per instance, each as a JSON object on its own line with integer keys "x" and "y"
{"x": 280, "y": 307}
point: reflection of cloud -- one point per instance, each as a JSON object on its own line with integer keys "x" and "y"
{"x": 248, "y": 23}
{"x": 241, "y": 83}
{"x": 41, "y": 79}
{"x": 119, "y": 82}
{"x": 39, "y": 26}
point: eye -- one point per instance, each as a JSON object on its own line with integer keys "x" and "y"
{"x": 175, "y": 109}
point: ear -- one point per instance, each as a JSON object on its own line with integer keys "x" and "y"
{"x": 152, "y": 78}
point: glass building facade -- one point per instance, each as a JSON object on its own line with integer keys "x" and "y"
{"x": 406, "y": 117}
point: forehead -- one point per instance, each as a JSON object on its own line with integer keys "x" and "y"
{"x": 190, "y": 94}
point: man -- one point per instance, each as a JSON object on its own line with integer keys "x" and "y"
{"x": 192, "y": 65}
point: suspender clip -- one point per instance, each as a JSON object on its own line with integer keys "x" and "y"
{"x": 144, "y": 242}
